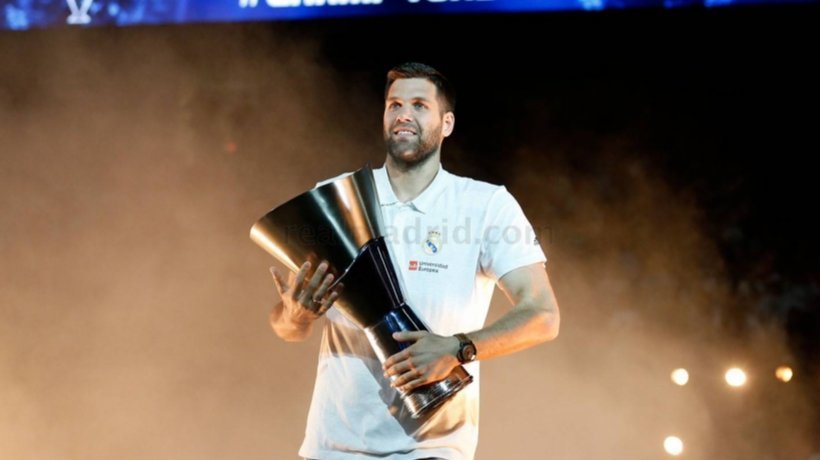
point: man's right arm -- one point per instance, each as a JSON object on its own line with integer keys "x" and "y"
{"x": 302, "y": 302}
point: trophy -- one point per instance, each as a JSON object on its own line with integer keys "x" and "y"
{"x": 341, "y": 222}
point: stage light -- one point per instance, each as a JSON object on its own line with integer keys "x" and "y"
{"x": 784, "y": 373}
{"x": 680, "y": 376}
{"x": 735, "y": 377}
{"x": 673, "y": 445}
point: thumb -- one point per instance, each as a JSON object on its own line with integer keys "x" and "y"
{"x": 277, "y": 280}
{"x": 408, "y": 336}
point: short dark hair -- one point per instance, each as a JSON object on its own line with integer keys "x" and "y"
{"x": 445, "y": 91}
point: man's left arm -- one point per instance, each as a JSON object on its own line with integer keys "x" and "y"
{"x": 533, "y": 319}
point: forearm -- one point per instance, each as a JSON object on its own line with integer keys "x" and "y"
{"x": 524, "y": 326}
{"x": 533, "y": 319}
{"x": 287, "y": 329}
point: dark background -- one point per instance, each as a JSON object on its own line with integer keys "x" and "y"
{"x": 665, "y": 155}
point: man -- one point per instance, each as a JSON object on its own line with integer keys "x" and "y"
{"x": 469, "y": 236}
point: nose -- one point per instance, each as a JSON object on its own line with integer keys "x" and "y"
{"x": 404, "y": 115}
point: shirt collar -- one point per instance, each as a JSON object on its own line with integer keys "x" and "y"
{"x": 423, "y": 202}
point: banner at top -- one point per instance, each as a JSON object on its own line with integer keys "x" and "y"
{"x": 26, "y": 14}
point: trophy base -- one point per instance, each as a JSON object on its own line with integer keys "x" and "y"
{"x": 425, "y": 398}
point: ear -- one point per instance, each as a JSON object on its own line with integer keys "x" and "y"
{"x": 448, "y": 122}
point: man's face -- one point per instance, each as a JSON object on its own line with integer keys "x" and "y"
{"x": 414, "y": 125}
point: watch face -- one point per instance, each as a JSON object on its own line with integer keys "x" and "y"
{"x": 469, "y": 352}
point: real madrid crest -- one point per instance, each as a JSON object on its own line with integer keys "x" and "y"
{"x": 432, "y": 244}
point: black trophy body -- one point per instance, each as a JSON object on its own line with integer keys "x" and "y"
{"x": 340, "y": 222}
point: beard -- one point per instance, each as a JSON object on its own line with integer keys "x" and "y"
{"x": 413, "y": 153}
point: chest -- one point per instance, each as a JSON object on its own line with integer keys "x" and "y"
{"x": 436, "y": 253}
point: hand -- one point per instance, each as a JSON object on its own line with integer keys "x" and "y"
{"x": 304, "y": 302}
{"x": 430, "y": 359}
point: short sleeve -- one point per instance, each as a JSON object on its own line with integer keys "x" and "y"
{"x": 509, "y": 241}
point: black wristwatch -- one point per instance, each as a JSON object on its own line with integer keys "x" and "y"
{"x": 466, "y": 349}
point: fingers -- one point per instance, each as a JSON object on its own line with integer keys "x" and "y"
{"x": 309, "y": 297}
{"x": 328, "y": 303}
{"x": 412, "y": 385}
{"x": 310, "y": 291}
{"x": 317, "y": 277}
{"x": 300, "y": 278}
{"x": 322, "y": 290}
{"x": 400, "y": 368}
{"x": 408, "y": 377}
{"x": 392, "y": 361}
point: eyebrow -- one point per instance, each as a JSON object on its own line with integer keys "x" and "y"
{"x": 417, "y": 98}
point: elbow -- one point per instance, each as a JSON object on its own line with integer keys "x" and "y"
{"x": 549, "y": 323}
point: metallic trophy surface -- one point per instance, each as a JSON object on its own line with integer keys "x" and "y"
{"x": 341, "y": 222}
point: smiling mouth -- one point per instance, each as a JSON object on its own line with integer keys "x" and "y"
{"x": 404, "y": 132}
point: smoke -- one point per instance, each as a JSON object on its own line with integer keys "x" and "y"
{"x": 133, "y": 312}
{"x": 134, "y": 306}
{"x": 642, "y": 292}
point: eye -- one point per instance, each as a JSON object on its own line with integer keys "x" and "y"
{"x": 393, "y": 105}
{"x": 419, "y": 105}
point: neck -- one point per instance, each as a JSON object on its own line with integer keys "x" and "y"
{"x": 408, "y": 183}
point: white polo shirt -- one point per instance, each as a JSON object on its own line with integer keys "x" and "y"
{"x": 449, "y": 246}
